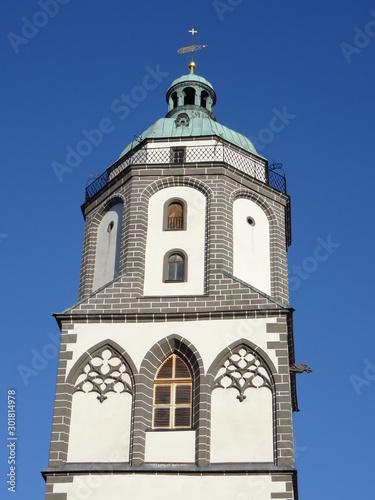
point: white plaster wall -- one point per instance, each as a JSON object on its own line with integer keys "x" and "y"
{"x": 170, "y": 447}
{"x": 191, "y": 241}
{"x": 108, "y": 247}
{"x": 169, "y": 487}
{"x": 208, "y": 337}
{"x": 91, "y": 418}
{"x": 100, "y": 432}
{"x": 251, "y": 245}
{"x": 241, "y": 431}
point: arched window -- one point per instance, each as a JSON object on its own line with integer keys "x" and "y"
{"x": 204, "y": 96}
{"x": 175, "y": 267}
{"x": 172, "y": 395}
{"x": 174, "y": 99}
{"x": 175, "y": 215}
{"x": 189, "y": 95}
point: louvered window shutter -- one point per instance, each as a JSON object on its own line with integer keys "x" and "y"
{"x": 172, "y": 395}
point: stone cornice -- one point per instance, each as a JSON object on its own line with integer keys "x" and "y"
{"x": 126, "y": 468}
{"x": 165, "y": 317}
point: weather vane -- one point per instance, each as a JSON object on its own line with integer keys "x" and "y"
{"x": 192, "y": 48}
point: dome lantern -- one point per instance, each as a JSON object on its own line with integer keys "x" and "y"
{"x": 193, "y": 95}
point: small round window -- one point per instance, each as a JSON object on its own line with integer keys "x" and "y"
{"x": 110, "y": 226}
{"x": 250, "y": 221}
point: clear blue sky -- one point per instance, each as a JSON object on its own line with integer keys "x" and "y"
{"x": 310, "y": 61}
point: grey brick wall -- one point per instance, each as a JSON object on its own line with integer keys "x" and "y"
{"x": 63, "y": 402}
{"x": 221, "y": 186}
{"x": 225, "y": 297}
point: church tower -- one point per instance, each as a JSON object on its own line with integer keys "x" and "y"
{"x": 176, "y": 375}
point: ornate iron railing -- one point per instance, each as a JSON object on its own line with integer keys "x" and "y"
{"x": 277, "y": 181}
{"x": 96, "y": 185}
{"x": 214, "y": 153}
{"x": 175, "y": 223}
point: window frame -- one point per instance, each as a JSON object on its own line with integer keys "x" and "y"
{"x": 167, "y": 256}
{"x": 190, "y": 94}
{"x": 173, "y": 382}
{"x": 176, "y": 263}
{"x": 203, "y": 98}
{"x": 177, "y": 150}
{"x": 184, "y": 214}
{"x": 174, "y": 98}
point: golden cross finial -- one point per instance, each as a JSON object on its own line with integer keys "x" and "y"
{"x": 192, "y": 48}
{"x": 192, "y": 31}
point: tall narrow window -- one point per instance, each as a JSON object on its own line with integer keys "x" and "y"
{"x": 175, "y": 216}
{"x": 204, "y": 96}
{"x": 172, "y": 395}
{"x": 189, "y": 97}
{"x": 175, "y": 267}
{"x": 174, "y": 99}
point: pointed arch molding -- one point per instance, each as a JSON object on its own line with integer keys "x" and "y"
{"x": 144, "y": 399}
{"x": 169, "y": 345}
{"x": 104, "y": 368}
{"x": 159, "y": 184}
{"x": 107, "y": 205}
{"x": 242, "y": 366}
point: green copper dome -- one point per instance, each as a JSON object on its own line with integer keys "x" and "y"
{"x": 191, "y": 99}
{"x": 166, "y": 128}
{"x": 191, "y": 77}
